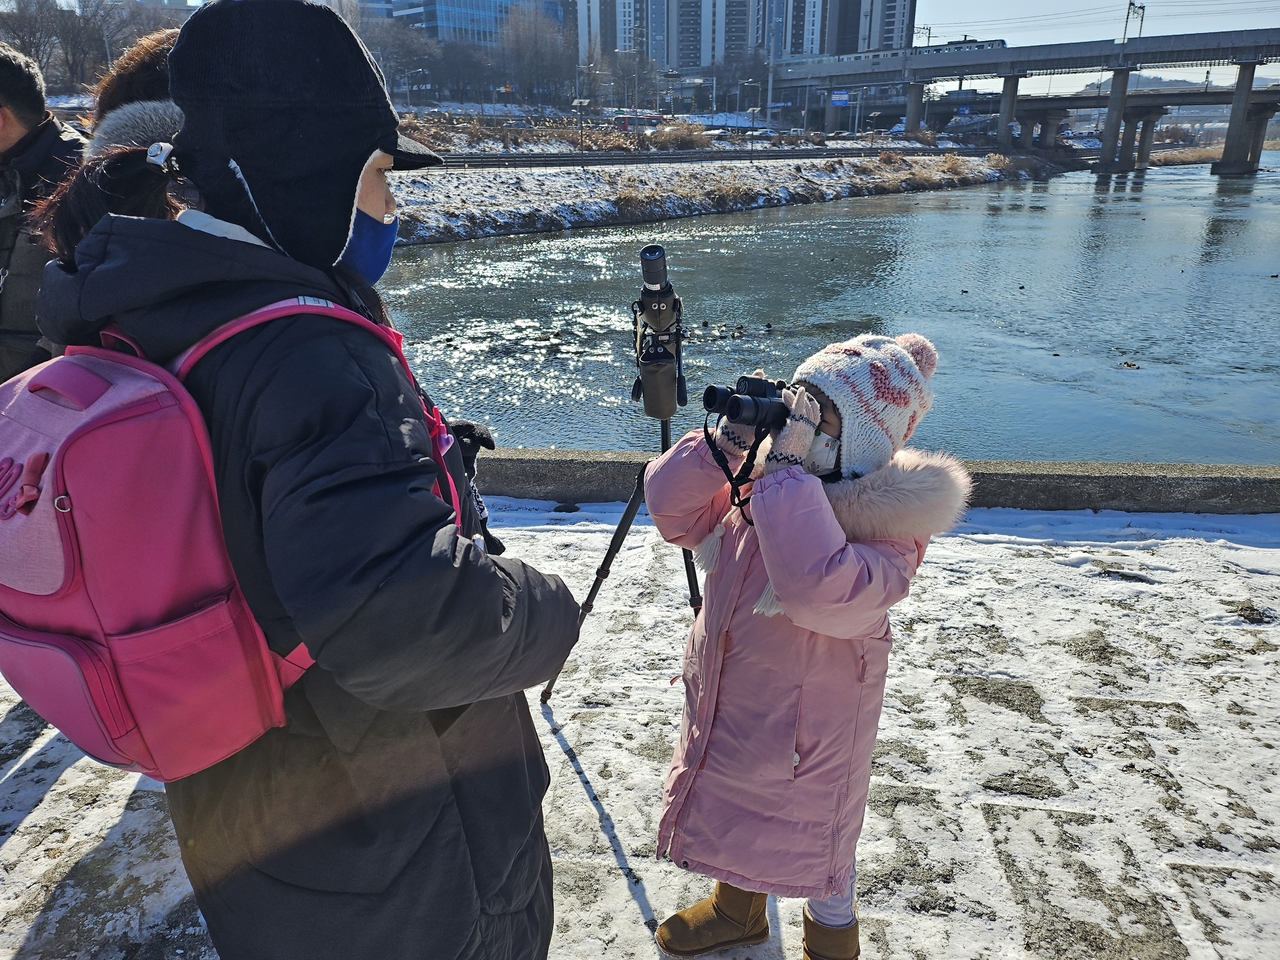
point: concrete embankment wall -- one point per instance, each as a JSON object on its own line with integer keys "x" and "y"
{"x": 593, "y": 476}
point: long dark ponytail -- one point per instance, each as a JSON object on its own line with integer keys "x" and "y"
{"x": 121, "y": 181}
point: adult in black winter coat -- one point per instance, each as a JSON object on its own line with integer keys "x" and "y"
{"x": 37, "y": 152}
{"x": 398, "y": 814}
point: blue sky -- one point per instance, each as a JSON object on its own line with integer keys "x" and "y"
{"x": 1021, "y": 22}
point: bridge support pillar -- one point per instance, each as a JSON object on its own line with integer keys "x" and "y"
{"x": 1146, "y": 137}
{"x": 1235, "y": 153}
{"x": 1261, "y": 120}
{"x": 1026, "y": 131}
{"x": 1008, "y": 107}
{"x": 1115, "y": 115}
{"x": 1124, "y": 161}
{"x": 1049, "y": 128}
{"x": 915, "y": 107}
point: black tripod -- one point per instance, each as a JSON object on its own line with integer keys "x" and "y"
{"x": 656, "y": 316}
{"x": 619, "y": 535}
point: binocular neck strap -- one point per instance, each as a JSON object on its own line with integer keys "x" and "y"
{"x": 740, "y": 479}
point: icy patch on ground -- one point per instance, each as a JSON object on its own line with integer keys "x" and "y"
{"x": 1077, "y": 758}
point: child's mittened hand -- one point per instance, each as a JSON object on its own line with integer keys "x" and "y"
{"x": 793, "y": 443}
{"x": 735, "y": 439}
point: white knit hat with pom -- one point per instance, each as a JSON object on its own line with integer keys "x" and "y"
{"x": 880, "y": 385}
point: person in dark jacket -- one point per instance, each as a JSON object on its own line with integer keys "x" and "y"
{"x": 131, "y": 102}
{"x": 398, "y": 814}
{"x": 36, "y": 153}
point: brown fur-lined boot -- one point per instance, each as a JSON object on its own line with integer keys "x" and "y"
{"x": 830, "y": 943}
{"x": 728, "y": 918}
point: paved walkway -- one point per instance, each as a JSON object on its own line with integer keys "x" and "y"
{"x": 1077, "y": 759}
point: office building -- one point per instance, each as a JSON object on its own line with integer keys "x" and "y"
{"x": 468, "y": 21}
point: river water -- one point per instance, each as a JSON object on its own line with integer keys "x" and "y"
{"x": 1121, "y": 319}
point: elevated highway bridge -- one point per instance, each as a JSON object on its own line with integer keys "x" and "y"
{"x": 1139, "y": 114}
{"x": 914, "y": 68}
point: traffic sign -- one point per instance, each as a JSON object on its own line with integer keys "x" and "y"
{"x": 839, "y": 98}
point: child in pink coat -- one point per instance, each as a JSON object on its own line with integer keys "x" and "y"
{"x": 785, "y": 667}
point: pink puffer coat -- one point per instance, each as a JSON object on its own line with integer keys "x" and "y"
{"x": 768, "y": 785}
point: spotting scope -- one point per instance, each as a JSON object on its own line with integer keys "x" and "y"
{"x": 656, "y": 320}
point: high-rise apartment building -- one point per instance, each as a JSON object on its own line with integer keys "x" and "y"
{"x": 853, "y": 26}
{"x": 688, "y": 34}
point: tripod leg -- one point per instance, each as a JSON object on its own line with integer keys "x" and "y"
{"x": 602, "y": 573}
{"x": 695, "y": 595}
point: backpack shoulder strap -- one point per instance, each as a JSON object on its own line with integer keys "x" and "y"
{"x": 182, "y": 364}
{"x": 441, "y": 439}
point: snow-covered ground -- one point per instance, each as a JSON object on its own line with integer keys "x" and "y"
{"x": 1077, "y": 758}
{"x": 464, "y": 204}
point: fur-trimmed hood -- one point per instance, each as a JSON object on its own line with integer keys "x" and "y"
{"x": 917, "y": 494}
{"x": 136, "y": 125}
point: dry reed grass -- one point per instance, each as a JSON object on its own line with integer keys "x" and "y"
{"x": 1169, "y": 158}
{"x": 680, "y": 136}
{"x": 464, "y": 135}
{"x": 924, "y": 136}
{"x": 1016, "y": 166}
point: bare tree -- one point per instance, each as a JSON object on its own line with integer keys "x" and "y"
{"x": 464, "y": 69}
{"x": 535, "y": 58}
{"x": 401, "y": 51}
{"x": 83, "y": 47}
{"x": 31, "y": 27}
{"x": 348, "y": 10}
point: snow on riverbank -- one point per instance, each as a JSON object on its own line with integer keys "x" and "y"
{"x": 465, "y": 204}
{"x": 1077, "y": 758}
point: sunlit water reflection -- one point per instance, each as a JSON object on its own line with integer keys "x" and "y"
{"x": 1066, "y": 281}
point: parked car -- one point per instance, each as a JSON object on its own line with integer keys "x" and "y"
{"x": 517, "y": 125}
{"x": 764, "y": 133}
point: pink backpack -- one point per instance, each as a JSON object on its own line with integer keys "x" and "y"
{"x": 121, "y": 621}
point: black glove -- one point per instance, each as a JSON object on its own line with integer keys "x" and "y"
{"x": 471, "y": 438}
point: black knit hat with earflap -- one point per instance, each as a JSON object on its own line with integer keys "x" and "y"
{"x": 283, "y": 106}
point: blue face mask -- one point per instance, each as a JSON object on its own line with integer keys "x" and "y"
{"x": 368, "y": 251}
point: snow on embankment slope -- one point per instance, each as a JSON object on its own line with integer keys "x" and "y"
{"x": 1078, "y": 757}
{"x": 464, "y": 204}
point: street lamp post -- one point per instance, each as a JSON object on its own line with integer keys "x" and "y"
{"x": 578, "y": 106}
{"x": 671, "y": 76}
{"x": 408, "y": 79}
{"x": 769, "y": 58}
{"x": 749, "y": 83}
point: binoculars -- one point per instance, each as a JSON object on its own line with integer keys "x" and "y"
{"x": 753, "y": 401}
